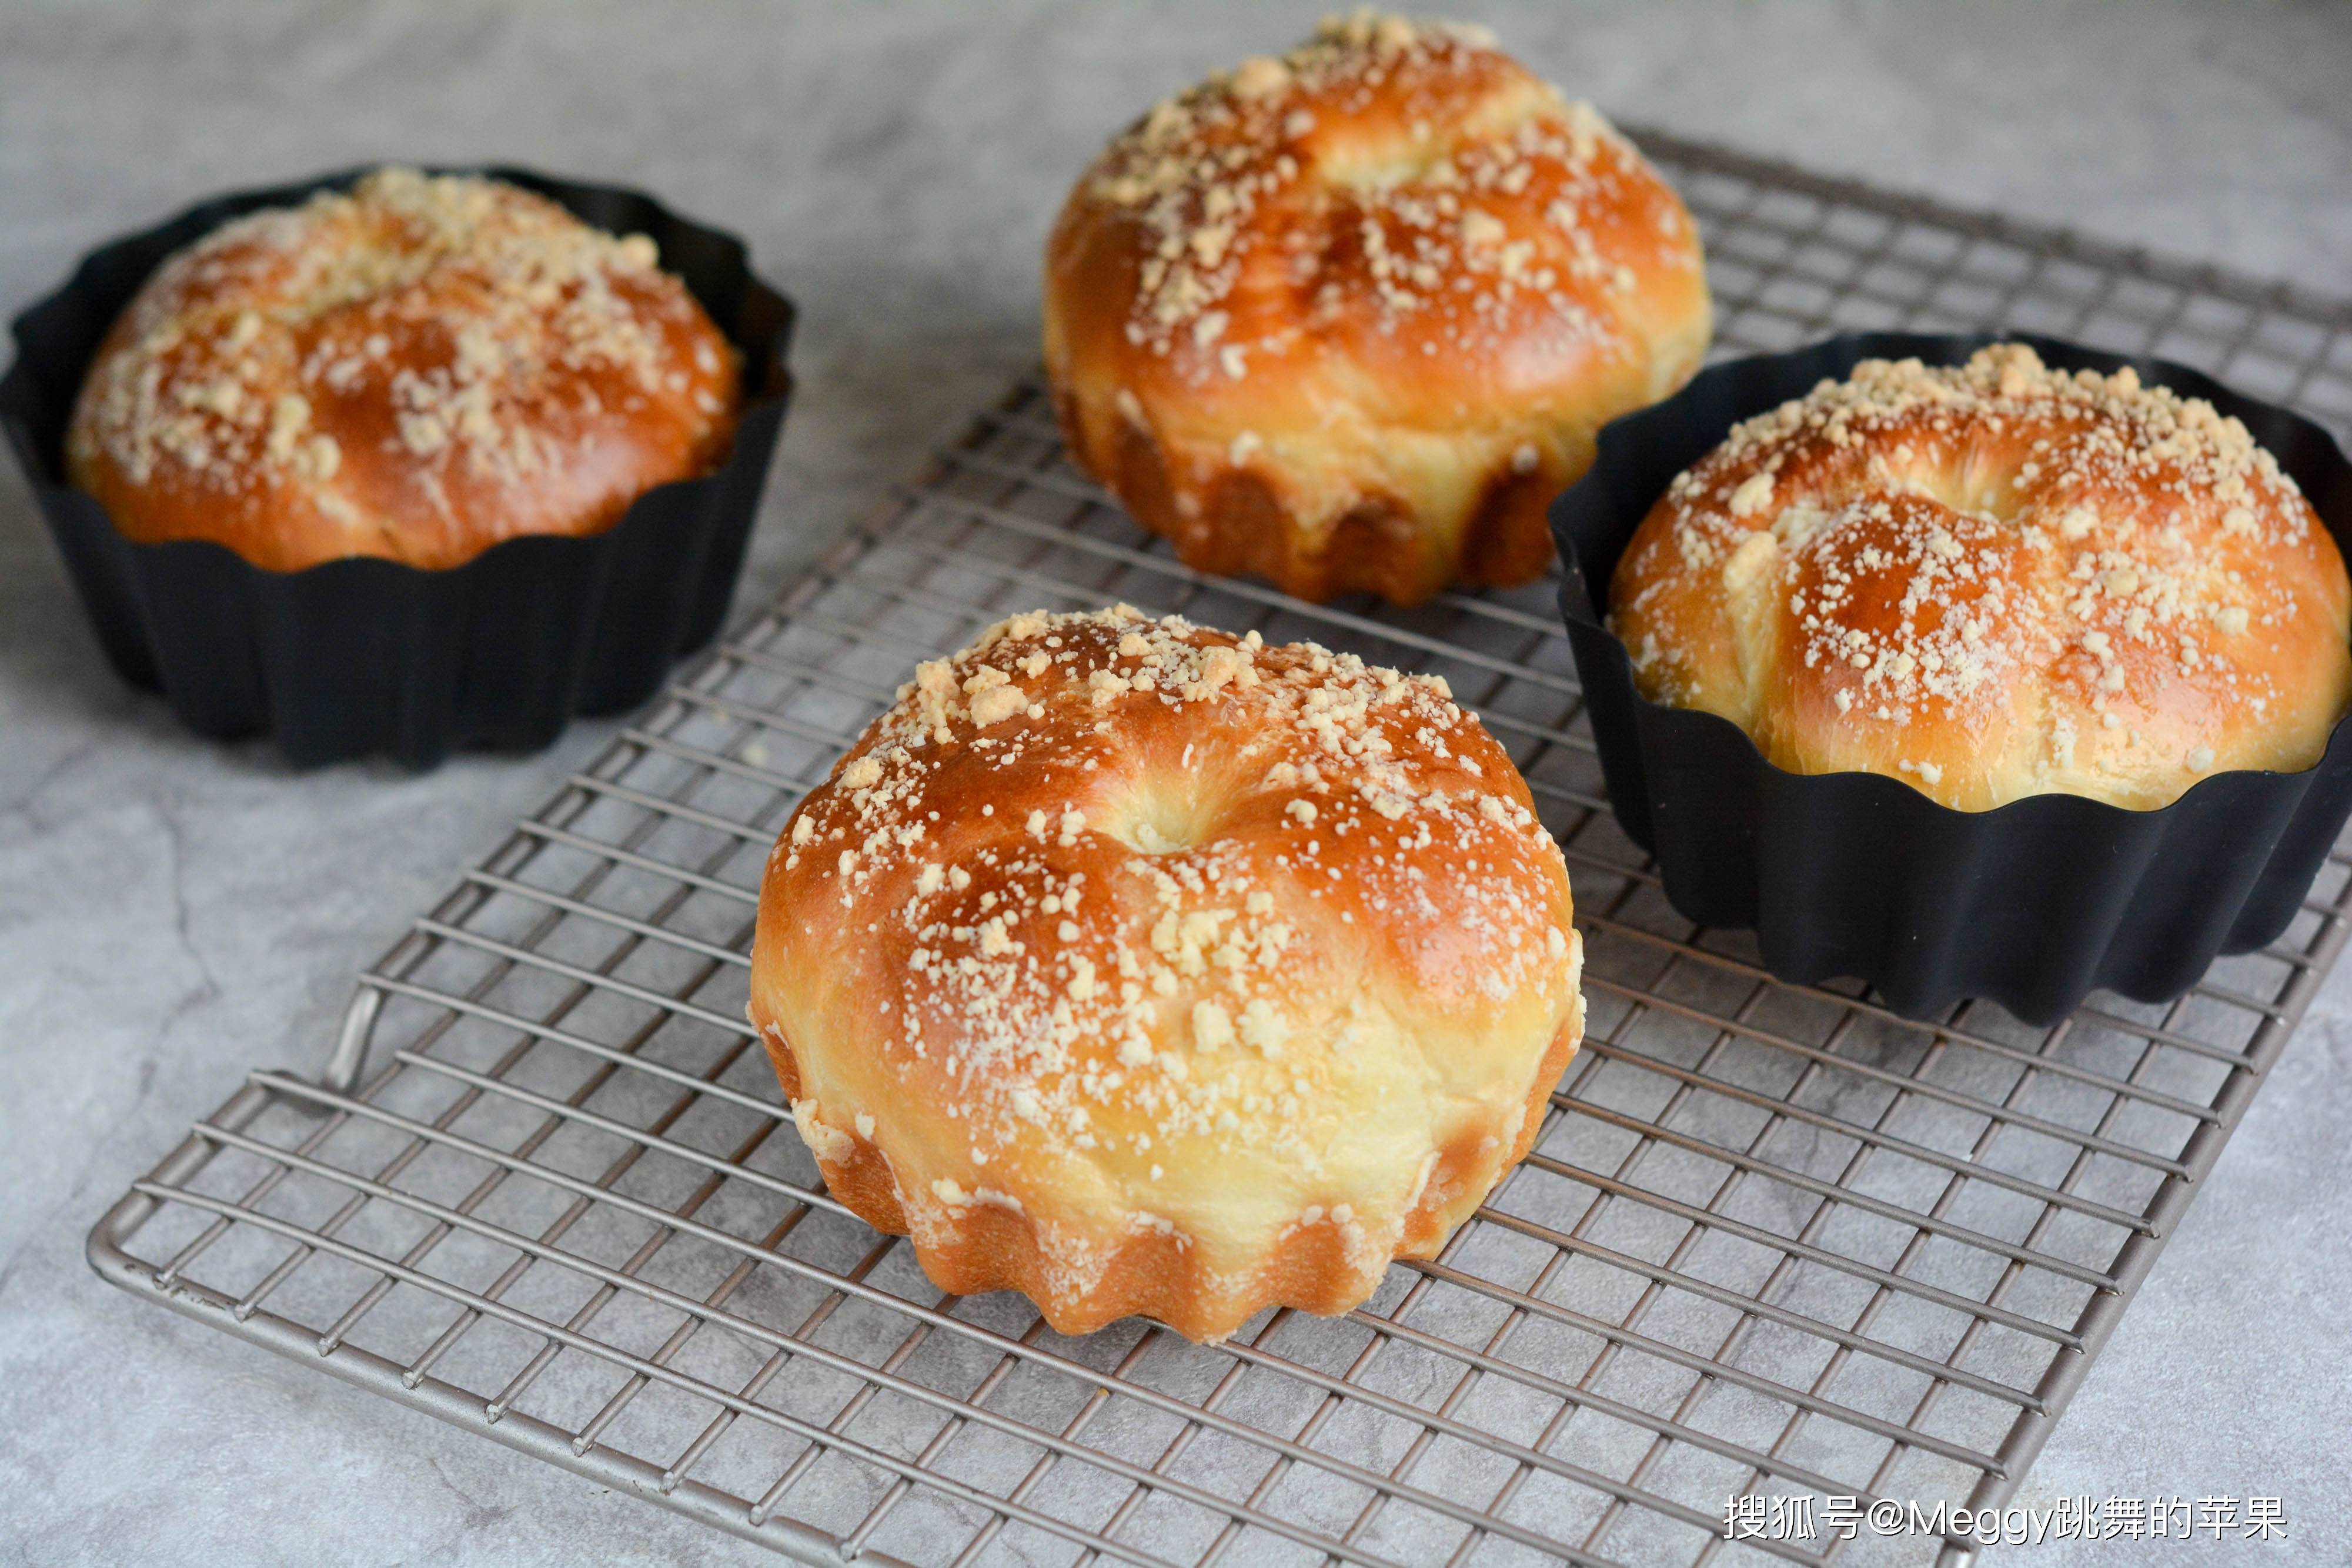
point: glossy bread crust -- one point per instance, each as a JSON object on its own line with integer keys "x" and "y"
{"x": 1148, "y": 970}
{"x": 1995, "y": 580}
{"x": 415, "y": 370}
{"x": 1350, "y": 319}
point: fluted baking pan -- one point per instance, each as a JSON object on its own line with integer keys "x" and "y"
{"x": 2033, "y": 906}
{"x": 364, "y": 655}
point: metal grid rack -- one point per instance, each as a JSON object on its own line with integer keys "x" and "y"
{"x": 1773, "y": 1240}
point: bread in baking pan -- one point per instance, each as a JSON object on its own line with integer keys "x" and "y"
{"x": 1146, "y": 970}
{"x": 1993, "y": 580}
{"x": 1350, "y": 318}
{"x": 415, "y": 370}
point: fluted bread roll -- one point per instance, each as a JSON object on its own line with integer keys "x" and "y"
{"x": 1351, "y": 317}
{"x": 415, "y": 370}
{"x": 1150, "y": 971}
{"x": 1993, "y": 580}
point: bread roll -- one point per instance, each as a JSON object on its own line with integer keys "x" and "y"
{"x": 1350, "y": 319}
{"x": 1146, "y": 970}
{"x": 1994, "y": 580}
{"x": 417, "y": 370}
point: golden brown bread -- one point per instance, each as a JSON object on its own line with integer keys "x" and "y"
{"x": 1148, "y": 970}
{"x": 417, "y": 370}
{"x": 1350, "y": 319}
{"x": 1995, "y": 580}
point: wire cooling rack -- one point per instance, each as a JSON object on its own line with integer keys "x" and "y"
{"x": 1773, "y": 1241}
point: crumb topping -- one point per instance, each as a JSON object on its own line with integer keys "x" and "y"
{"x": 1281, "y": 175}
{"x": 462, "y": 306}
{"x": 1105, "y": 953}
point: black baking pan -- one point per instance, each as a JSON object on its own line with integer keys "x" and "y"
{"x": 2033, "y": 904}
{"x": 366, "y": 656}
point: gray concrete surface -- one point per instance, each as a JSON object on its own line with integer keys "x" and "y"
{"x": 171, "y": 913}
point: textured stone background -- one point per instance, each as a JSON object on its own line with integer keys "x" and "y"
{"x": 171, "y": 913}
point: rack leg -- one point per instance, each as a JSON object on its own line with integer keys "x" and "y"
{"x": 344, "y": 1065}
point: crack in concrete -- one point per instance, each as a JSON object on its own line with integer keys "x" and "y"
{"x": 175, "y": 833}
{"x": 28, "y": 798}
